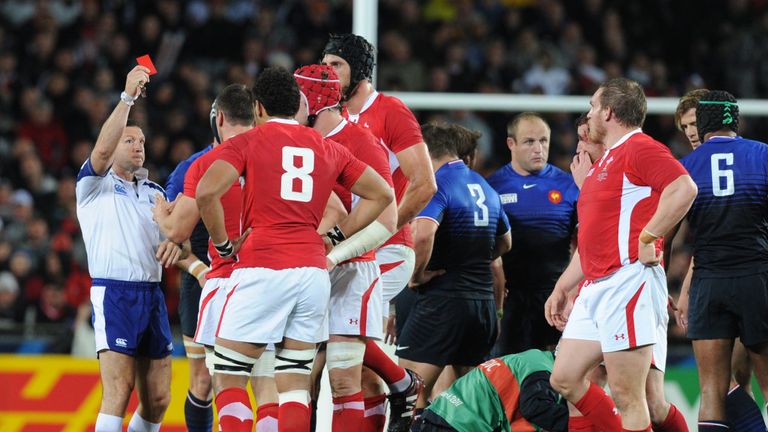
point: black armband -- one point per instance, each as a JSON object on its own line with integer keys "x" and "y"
{"x": 335, "y": 235}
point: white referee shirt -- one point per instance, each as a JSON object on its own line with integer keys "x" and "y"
{"x": 115, "y": 216}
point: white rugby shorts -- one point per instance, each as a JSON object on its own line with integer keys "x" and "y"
{"x": 264, "y": 305}
{"x": 624, "y": 310}
{"x": 396, "y": 263}
{"x": 355, "y": 306}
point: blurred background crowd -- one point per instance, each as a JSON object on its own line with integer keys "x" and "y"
{"x": 63, "y": 65}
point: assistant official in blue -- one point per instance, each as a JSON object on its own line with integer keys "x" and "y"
{"x": 729, "y": 224}
{"x": 125, "y": 253}
{"x": 458, "y": 234}
{"x": 540, "y": 202}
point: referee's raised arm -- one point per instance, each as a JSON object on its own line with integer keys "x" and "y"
{"x": 103, "y": 152}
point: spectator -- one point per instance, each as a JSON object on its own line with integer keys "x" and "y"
{"x": 10, "y": 303}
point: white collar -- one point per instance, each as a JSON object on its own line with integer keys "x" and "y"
{"x": 372, "y": 97}
{"x": 625, "y": 137}
{"x": 283, "y": 121}
{"x": 337, "y": 129}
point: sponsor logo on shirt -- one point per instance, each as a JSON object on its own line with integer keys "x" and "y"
{"x": 509, "y": 198}
{"x": 528, "y": 186}
{"x": 452, "y": 398}
{"x": 120, "y": 189}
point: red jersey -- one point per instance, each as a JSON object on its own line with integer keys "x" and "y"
{"x": 364, "y": 146}
{"x": 395, "y": 126}
{"x": 289, "y": 173}
{"x": 619, "y": 197}
{"x": 231, "y": 201}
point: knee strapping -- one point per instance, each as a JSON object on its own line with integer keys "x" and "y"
{"x": 231, "y": 362}
{"x": 343, "y": 355}
{"x": 196, "y": 346}
{"x": 294, "y": 361}
{"x": 265, "y": 365}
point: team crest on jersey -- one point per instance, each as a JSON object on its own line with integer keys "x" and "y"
{"x": 509, "y": 198}
{"x": 603, "y": 175}
{"x": 120, "y": 189}
{"x": 555, "y": 196}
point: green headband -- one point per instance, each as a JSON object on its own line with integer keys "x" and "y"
{"x": 727, "y": 117}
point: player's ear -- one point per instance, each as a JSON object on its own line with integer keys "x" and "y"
{"x": 510, "y": 142}
{"x": 219, "y": 118}
{"x": 608, "y": 115}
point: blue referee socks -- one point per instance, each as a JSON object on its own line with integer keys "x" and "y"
{"x": 198, "y": 414}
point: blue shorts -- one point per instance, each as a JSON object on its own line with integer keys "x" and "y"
{"x": 131, "y": 318}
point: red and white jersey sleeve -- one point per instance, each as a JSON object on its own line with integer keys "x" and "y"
{"x": 289, "y": 171}
{"x": 365, "y": 147}
{"x": 231, "y": 201}
{"x": 395, "y": 125}
{"x": 619, "y": 197}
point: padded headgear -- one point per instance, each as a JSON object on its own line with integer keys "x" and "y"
{"x": 356, "y": 51}
{"x": 212, "y": 120}
{"x": 716, "y": 110}
{"x": 320, "y": 87}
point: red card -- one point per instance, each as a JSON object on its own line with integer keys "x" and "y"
{"x": 147, "y": 63}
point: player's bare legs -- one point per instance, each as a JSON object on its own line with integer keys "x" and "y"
{"x": 293, "y": 363}
{"x": 233, "y": 362}
{"x": 428, "y": 372}
{"x": 200, "y": 384}
{"x": 658, "y": 407}
{"x": 265, "y": 392}
{"x": 759, "y": 356}
{"x": 153, "y": 386}
{"x": 627, "y": 373}
{"x": 741, "y": 366}
{"x": 713, "y": 357}
{"x": 118, "y": 372}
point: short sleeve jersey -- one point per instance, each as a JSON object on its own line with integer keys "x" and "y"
{"x": 619, "y": 196}
{"x": 396, "y": 127}
{"x": 468, "y": 212}
{"x": 541, "y": 208}
{"x": 290, "y": 171}
{"x": 115, "y": 215}
{"x": 231, "y": 202}
{"x": 729, "y": 218}
{"x": 366, "y": 148}
{"x": 174, "y": 186}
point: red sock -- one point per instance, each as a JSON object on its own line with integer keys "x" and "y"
{"x": 266, "y": 417}
{"x": 378, "y": 361}
{"x": 598, "y": 407}
{"x": 580, "y": 424}
{"x": 234, "y": 410}
{"x": 675, "y": 422}
{"x": 375, "y": 413}
{"x": 294, "y": 417}
{"x": 348, "y": 412}
{"x": 648, "y": 429}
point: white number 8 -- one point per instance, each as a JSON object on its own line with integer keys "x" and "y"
{"x": 293, "y": 172}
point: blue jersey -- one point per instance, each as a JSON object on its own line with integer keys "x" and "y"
{"x": 542, "y": 211}
{"x": 174, "y": 186}
{"x": 468, "y": 212}
{"x": 729, "y": 218}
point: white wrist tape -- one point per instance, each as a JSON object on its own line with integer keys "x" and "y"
{"x": 343, "y": 355}
{"x": 197, "y": 269}
{"x": 368, "y": 238}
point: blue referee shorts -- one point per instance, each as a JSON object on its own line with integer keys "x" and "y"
{"x": 131, "y": 318}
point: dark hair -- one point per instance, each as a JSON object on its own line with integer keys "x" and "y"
{"x": 581, "y": 120}
{"x": 688, "y": 101}
{"x": 440, "y": 140}
{"x": 515, "y": 122}
{"x": 465, "y": 140}
{"x": 357, "y": 52}
{"x": 626, "y": 99}
{"x": 276, "y": 89}
{"x": 716, "y": 110}
{"x": 236, "y": 102}
{"x": 133, "y": 123}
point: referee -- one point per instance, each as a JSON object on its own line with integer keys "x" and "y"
{"x": 125, "y": 253}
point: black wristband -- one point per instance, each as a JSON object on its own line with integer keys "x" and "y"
{"x": 225, "y": 249}
{"x": 335, "y": 235}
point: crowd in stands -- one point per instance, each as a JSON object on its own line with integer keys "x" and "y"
{"x": 62, "y": 64}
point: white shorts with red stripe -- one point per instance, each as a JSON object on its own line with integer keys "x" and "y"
{"x": 211, "y": 300}
{"x": 264, "y": 305}
{"x": 622, "y": 311}
{"x": 355, "y": 306}
{"x": 396, "y": 263}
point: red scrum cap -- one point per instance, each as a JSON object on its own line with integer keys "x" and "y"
{"x": 320, "y": 86}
